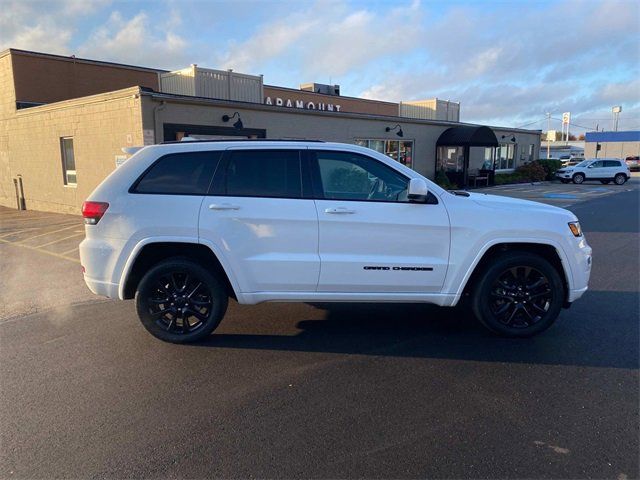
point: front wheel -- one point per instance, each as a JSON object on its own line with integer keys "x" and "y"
{"x": 519, "y": 295}
{"x": 620, "y": 179}
{"x": 578, "y": 178}
{"x": 178, "y": 301}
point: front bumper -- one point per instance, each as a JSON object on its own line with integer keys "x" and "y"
{"x": 581, "y": 263}
{"x": 563, "y": 175}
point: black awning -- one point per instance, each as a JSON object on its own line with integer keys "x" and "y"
{"x": 468, "y": 136}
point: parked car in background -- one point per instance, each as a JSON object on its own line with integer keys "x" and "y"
{"x": 572, "y": 162}
{"x": 605, "y": 170}
{"x": 633, "y": 163}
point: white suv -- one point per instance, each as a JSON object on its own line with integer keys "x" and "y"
{"x": 181, "y": 227}
{"x": 604, "y": 169}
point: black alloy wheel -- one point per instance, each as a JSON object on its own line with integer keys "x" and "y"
{"x": 519, "y": 294}
{"x": 180, "y": 302}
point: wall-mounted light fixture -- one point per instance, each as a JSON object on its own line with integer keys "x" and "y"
{"x": 238, "y": 124}
{"x": 512, "y": 139}
{"x": 399, "y": 133}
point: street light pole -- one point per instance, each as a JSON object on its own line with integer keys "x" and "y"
{"x": 548, "y": 127}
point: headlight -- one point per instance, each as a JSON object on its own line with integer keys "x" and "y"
{"x": 575, "y": 229}
{"x": 568, "y": 171}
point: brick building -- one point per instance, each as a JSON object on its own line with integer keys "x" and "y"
{"x": 64, "y": 122}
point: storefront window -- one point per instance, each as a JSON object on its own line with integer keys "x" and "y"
{"x": 487, "y": 164}
{"x": 505, "y": 156}
{"x": 400, "y": 150}
{"x": 406, "y": 153}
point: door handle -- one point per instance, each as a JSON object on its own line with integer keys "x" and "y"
{"x": 223, "y": 206}
{"x": 342, "y": 210}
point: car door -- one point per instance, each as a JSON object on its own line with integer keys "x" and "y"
{"x": 612, "y": 167}
{"x": 372, "y": 239}
{"x": 596, "y": 170}
{"x": 258, "y": 217}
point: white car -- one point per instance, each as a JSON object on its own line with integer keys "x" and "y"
{"x": 181, "y": 227}
{"x": 604, "y": 169}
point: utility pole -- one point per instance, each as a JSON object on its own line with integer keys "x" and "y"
{"x": 548, "y": 128}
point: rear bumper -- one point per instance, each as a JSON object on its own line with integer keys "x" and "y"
{"x": 100, "y": 260}
{"x": 99, "y": 287}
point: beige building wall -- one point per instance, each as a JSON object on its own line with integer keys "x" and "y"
{"x": 100, "y": 126}
{"x": 7, "y": 111}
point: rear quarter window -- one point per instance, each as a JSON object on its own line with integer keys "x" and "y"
{"x": 187, "y": 173}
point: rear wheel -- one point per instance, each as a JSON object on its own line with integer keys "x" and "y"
{"x": 605, "y": 182}
{"x": 578, "y": 178}
{"x": 178, "y": 301}
{"x": 519, "y": 295}
{"x": 620, "y": 179}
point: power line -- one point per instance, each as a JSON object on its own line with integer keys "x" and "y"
{"x": 531, "y": 123}
{"x": 575, "y": 124}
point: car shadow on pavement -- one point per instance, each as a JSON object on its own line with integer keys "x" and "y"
{"x": 600, "y": 331}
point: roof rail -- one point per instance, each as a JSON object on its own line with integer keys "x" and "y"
{"x": 243, "y": 140}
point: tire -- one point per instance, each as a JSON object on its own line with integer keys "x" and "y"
{"x": 178, "y": 301}
{"x": 620, "y": 179}
{"x": 605, "y": 182}
{"x": 578, "y": 178}
{"x": 504, "y": 304}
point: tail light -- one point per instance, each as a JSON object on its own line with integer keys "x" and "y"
{"x": 93, "y": 211}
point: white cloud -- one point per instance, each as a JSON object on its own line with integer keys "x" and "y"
{"x": 136, "y": 41}
{"x": 326, "y": 39}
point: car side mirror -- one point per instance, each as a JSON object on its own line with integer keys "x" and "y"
{"x": 418, "y": 189}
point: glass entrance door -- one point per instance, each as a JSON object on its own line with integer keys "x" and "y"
{"x": 451, "y": 159}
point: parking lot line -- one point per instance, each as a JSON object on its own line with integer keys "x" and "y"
{"x": 71, "y": 251}
{"x": 75, "y": 225}
{"x": 59, "y": 240}
{"x": 53, "y": 254}
{"x": 19, "y": 231}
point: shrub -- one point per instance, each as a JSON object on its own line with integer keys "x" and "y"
{"x": 550, "y": 167}
{"x": 506, "y": 178}
{"x": 442, "y": 180}
{"x": 532, "y": 172}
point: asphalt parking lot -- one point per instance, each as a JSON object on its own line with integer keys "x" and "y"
{"x": 300, "y": 391}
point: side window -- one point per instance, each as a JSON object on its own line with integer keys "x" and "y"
{"x": 349, "y": 176}
{"x": 597, "y": 164}
{"x": 263, "y": 173}
{"x": 186, "y": 173}
{"x": 68, "y": 161}
{"x": 611, "y": 163}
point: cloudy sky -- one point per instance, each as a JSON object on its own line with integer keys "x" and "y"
{"x": 507, "y": 62}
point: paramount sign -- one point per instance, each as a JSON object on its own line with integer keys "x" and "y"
{"x": 287, "y": 102}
